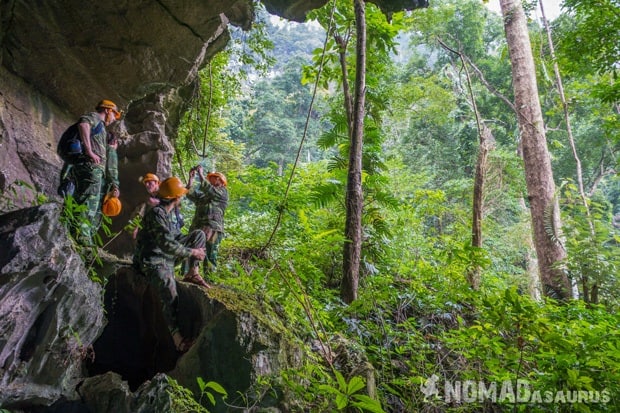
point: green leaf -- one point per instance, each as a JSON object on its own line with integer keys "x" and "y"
{"x": 342, "y": 384}
{"x": 356, "y": 384}
{"x": 366, "y": 403}
{"x": 341, "y": 401}
{"x": 325, "y": 233}
{"x": 330, "y": 389}
{"x": 201, "y": 383}
{"x": 216, "y": 387}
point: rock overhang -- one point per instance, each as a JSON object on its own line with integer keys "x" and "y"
{"x": 124, "y": 50}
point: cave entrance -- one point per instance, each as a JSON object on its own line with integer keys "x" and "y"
{"x": 135, "y": 343}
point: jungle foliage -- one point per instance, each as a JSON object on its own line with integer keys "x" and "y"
{"x": 423, "y": 340}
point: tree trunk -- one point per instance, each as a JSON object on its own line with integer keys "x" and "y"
{"x": 538, "y": 174}
{"x": 354, "y": 196}
{"x": 486, "y": 144}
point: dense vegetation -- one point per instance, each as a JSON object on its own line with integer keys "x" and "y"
{"x": 417, "y": 325}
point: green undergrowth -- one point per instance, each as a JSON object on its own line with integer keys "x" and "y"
{"x": 481, "y": 348}
{"x": 417, "y": 337}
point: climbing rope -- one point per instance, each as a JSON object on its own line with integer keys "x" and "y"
{"x": 209, "y": 102}
{"x": 305, "y": 132}
{"x": 196, "y": 115}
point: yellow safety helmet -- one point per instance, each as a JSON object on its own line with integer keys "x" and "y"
{"x": 111, "y": 206}
{"x": 108, "y": 104}
{"x": 171, "y": 188}
{"x": 217, "y": 175}
{"x": 149, "y": 177}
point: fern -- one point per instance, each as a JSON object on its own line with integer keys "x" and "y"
{"x": 550, "y": 219}
{"x": 338, "y": 162}
{"x": 325, "y": 194}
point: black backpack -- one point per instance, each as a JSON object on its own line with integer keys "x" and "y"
{"x": 70, "y": 146}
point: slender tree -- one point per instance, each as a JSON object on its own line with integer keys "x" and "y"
{"x": 538, "y": 174}
{"x": 486, "y": 142}
{"x": 354, "y": 197}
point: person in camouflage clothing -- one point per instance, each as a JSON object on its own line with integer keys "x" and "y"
{"x": 160, "y": 244}
{"x": 151, "y": 184}
{"x": 96, "y": 173}
{"x": 211, "y": 200}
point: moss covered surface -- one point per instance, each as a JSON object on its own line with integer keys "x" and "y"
{"x": 240, "y": 341}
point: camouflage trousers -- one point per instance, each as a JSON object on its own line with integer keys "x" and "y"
{"x": 161, "y": 277}
{"x": 214, "y": 238}
{"x": 195, "y": 239}
{"x": 90, "y": 189}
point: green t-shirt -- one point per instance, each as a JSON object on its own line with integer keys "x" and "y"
{"x": 98, "y": 141}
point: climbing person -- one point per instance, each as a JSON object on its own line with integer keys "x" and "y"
{"x": 151, "y": 184}
{"x": 211, "y": 200}
{"x": 95, "y": 172}
{"x": 159, "y": 245}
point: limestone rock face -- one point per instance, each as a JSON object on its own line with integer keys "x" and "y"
{"x": 60, "y": 332}
{"x": 50, "y": 311}
{"x": 77, "y": 53}
{"x": 109, "y": 393}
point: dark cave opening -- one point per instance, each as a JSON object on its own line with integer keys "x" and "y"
{"x": 135, "y": 343}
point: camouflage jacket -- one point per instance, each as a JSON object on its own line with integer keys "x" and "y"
{"x": 211, "y": 203}
{"x": 137, "y": 215}
{"x": 98, "y": 141}
{"x": 158, "y": 240}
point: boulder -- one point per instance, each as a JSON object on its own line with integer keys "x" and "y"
{"x": 50, "y": 311}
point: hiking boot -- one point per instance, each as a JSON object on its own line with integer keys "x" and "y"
{"x": 195, "y": 278}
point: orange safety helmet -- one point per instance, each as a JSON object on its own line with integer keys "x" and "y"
{"x": 111, "y": 206}
{"x": 171, "y": 188}
{"x": 149, "y": 177}
{"x": 108, "y": 104}
{"x": 217, "y": 175}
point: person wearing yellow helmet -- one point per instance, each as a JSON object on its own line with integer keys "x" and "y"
{"x": 160, "y": 245}
{"x": 95, "y": 173}
{"x": 211, "y": 200}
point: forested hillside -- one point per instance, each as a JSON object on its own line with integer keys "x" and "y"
{"x": 449, "y": 312}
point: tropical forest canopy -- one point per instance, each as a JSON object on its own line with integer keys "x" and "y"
{"x": 271, "y": 113}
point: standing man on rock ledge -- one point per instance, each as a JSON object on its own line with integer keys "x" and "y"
{"x": 96, "y": 172}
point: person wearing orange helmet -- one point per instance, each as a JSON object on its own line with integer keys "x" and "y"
{"x": 151, "y": 184}
{"x": 160, "y": 245}
{"x": 96, "y": 172}
{"x": 211, "y": 200}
